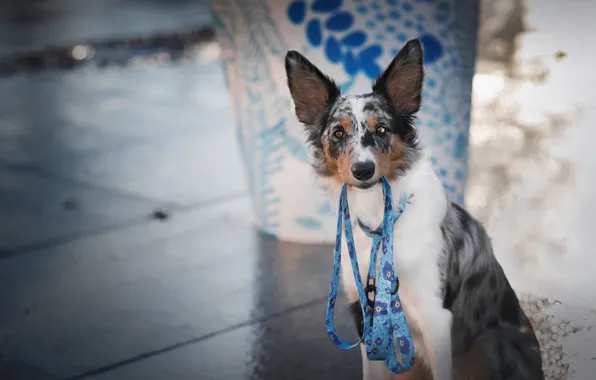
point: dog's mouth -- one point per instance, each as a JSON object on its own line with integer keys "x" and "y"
{"x": 365, "y": 185}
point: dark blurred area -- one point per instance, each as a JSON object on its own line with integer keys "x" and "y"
{"x": 37, "y": 24}
{"x": 37, "y": 35}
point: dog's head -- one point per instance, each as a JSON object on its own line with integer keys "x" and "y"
{"x": 359, "y": 139}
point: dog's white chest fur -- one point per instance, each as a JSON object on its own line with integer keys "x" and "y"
{"x": 418, "y": 244}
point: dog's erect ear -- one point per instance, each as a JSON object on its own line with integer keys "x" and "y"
{"x": 311, "y": 90}
{"x": 401, "y": 83}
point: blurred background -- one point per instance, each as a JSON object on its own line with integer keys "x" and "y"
{"x": 127, "y": 240}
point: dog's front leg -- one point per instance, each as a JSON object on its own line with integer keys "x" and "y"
{"x": 419, "y": 242}
{"x": 435, "y": 325}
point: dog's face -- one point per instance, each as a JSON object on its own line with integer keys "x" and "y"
{"x": 359, "y": 139}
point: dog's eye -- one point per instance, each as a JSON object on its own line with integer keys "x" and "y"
{"x": 339, "y": 133}
{"x": 381, "y": 130}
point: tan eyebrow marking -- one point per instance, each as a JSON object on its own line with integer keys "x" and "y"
{"x": 372, "y": 123}
{"x": 346, "y": 123}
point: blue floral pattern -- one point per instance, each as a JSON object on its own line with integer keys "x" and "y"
{"x": 351, "y": 49}
{"x": 387, "y": 270}
{"x": 403, "y": 344}
{"x": 396, "y": 307}
{"x": 340, "y": 46}
{"x": 380, "y": 308}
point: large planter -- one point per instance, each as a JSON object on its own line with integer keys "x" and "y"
{"x": 352, "y": 41}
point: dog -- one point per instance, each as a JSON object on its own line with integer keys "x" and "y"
{"x": 465, "y": 318}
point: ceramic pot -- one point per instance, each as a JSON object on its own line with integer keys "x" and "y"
{"x": 352, "y": 41}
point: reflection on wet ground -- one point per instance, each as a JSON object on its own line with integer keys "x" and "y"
{"x": 159, "y": 48}
{"x": 126, "y": 249}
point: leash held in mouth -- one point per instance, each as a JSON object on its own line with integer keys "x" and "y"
{"x": 386, "y": 335}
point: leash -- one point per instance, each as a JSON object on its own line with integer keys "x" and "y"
{"x": 385, "y": 331}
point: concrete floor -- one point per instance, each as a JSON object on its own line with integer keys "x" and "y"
{"x": 92, "y": 284}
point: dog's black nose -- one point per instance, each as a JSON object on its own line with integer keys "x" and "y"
{"x": 363, "y": 171}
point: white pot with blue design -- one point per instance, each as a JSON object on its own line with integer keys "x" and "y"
{"x": 352, "y": 41}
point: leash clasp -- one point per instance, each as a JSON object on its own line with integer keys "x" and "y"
{"x": 395, "y": 287}
{"x": 371, "y": 295}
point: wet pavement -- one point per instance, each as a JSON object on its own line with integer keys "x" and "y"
{"x": 126, "y": 245}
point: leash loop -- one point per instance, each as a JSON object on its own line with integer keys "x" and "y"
{"x": 386, "y": 336}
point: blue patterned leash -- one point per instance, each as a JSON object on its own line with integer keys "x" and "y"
{"x": 385, "y": 325}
